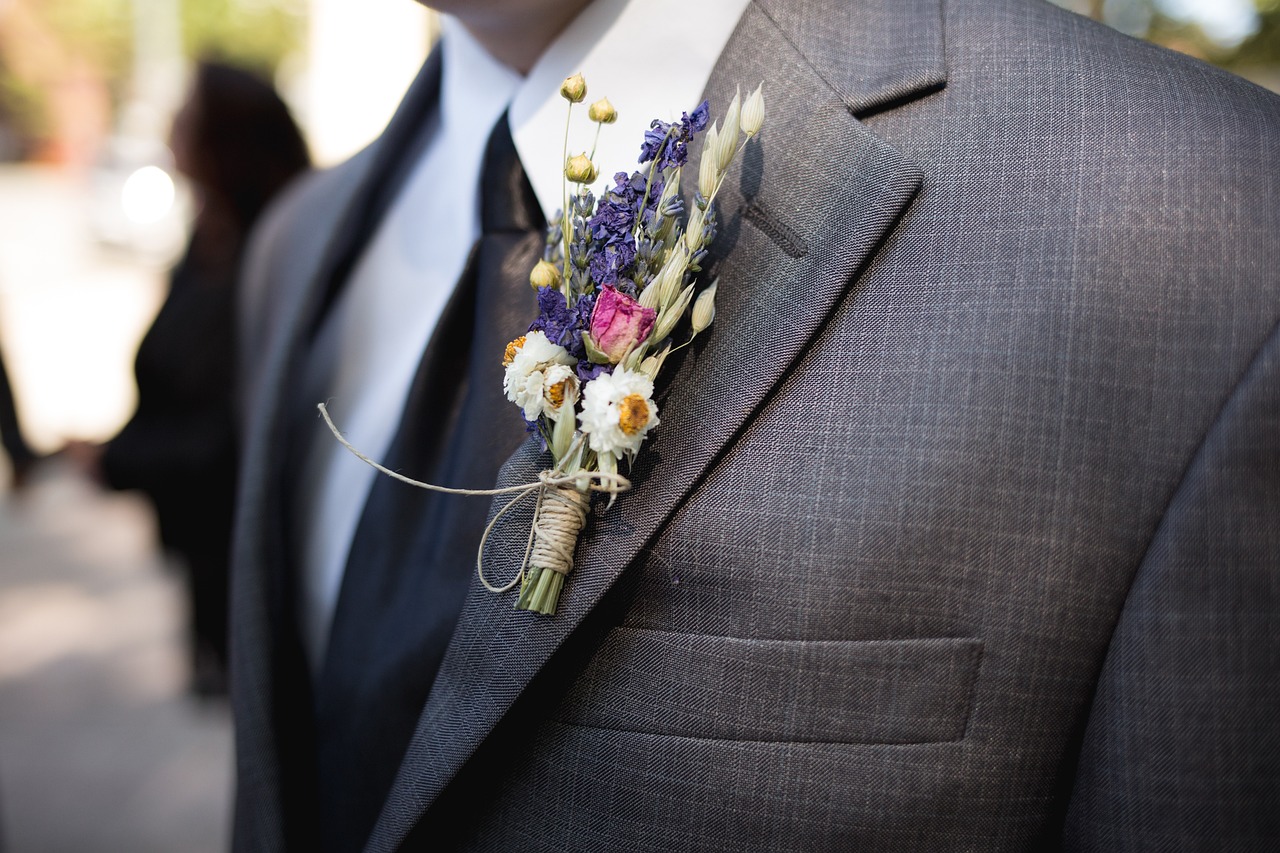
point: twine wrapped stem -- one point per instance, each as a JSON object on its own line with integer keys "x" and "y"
{"x": 559, "y": 518}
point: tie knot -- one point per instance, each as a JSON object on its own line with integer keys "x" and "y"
{"x": 507, "y": 200}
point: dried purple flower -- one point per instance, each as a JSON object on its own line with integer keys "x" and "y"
{"x": 668, "y": 144}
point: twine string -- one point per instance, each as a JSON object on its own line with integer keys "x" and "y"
{"x": 553, "y": 534}
{"x": 563, "y": 513}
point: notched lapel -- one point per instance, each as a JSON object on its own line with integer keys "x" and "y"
{"x": 800, "y": 217}
{"x": 875, "y": 54}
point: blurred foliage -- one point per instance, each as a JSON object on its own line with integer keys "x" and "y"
{"x": 20, "y": 102}
{"x": 98, "y": 30}
{"x": 253, "y": 33}
{"x": 259, "y": 33}
{"x": 1153, "y": 20}
{"x": 1263, "y": 47}
{"x": 1245, "y": 40}
{"x": 39, "y": 39}
{"x": 44, "y": 36}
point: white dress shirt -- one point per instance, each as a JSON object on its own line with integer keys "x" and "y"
{"x": 399, "y": 287}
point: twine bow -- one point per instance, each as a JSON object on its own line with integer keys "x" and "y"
{"x": 556, "y": 534}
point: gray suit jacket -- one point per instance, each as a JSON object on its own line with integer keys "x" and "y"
{"x": 961, "y": 530}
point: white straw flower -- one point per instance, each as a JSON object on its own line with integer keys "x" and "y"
{"x": 618, "y": 411}
{"x": 559, "y": 386}
{"x": 528, "y": 359}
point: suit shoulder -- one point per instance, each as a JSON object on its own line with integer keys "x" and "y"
{"x": 1155, "y": 174}
{"x": 285, "y": 243}
{"x": 303, "y": 208}
{"x": 1167, "y": 144}
{"x": 1038, "y": 48}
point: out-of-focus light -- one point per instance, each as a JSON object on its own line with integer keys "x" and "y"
{"x": 1227, "y": 22}
{"x": 147, "y": 195}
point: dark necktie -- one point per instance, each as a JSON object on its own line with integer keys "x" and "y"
{"x": 413, "y": 553}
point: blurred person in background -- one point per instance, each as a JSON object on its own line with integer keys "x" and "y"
{"x": 21, "y": 456}
{"x": 237, "y": 143}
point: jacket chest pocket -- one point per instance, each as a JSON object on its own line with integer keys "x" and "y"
{"x": 801, "y": 691}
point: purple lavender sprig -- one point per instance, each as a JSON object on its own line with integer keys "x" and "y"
{"x": 667, "y": 145}
{"x": 620, "y": 241}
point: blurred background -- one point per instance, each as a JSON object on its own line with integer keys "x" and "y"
{"x": 111, "y": 735}
{"x": 114, "y": 730}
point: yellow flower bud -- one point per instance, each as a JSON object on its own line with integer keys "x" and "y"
{"x": 603, "y": 112}
{"x": 704, "y": 308}
{"x": 580, "y": 169}
{"x": 753, "y": 113}
{"x": 573, "y": 89}
{"x": 545, "y": 274}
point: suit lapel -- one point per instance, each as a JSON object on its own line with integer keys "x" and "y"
{"x": 380, "y": 170}
{"x": 364, "y": 188}
{"x": 393, "y": 157}
{"x": 800, "y": 217}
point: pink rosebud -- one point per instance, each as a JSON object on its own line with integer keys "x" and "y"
{"x": 619, "y": 323}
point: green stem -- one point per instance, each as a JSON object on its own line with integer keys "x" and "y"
{"x": 596, "y": 142}
{"x": 644, "y": 199}
{"x": 566, "y": 220}
{"x": 541, "y": 591}
{"x": 527, "y": 588}
{"x": 548, "y": 593}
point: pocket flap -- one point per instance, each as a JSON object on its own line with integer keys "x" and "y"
{"x": 836, "y": 691}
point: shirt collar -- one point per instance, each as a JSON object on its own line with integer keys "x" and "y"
{"x": 650, "y": 58}
{"x": 475, "y": 88}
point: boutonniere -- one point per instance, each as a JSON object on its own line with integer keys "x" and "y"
{"x": 618, "y": 293}
{"x": 619, "y": 275}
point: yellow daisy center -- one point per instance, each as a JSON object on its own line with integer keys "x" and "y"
{"x": 633, "y": 414}
{"x": 512, "y": 349}
{"x": 555, "y": 394}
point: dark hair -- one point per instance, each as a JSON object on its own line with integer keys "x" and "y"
{"x": 241, "y": 144}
